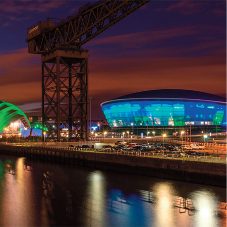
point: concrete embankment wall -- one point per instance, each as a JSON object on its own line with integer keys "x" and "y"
{"x": 183, "y": 170}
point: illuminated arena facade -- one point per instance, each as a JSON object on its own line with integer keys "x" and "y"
{"x": 166, "y": 108}
{"x": 10, "y": 113}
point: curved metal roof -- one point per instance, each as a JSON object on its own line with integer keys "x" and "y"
{"x": 174, "y": 93}
{"x": 10, "y": 113}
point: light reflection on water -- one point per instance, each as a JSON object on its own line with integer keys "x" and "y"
{"x": 39, "y": 194}
{"x": 206, "y": 205}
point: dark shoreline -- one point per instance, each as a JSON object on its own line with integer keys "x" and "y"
{"x": 206, "y": 173}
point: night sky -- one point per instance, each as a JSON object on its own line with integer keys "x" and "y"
{"x": 164, "y": 45}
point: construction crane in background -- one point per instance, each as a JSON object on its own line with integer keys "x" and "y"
{"x": 65, "y": 63}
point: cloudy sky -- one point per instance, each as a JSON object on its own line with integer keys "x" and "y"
{"x": 164, "y": 45}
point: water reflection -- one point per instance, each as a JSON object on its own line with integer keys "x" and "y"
{"x": 15, "y": 195}
{"x": 95, "y": 202}
{"x": 47, "y": 213}
{"x": 207, "y": 209}
{"x": 164, "y": 201}
{"x": 39, "y": 194}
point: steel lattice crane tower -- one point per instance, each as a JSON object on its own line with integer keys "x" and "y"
{"x": 65, "y": 63}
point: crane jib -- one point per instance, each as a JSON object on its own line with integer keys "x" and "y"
{"x": 76, "y": 30}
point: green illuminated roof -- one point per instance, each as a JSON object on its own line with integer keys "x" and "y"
{"x": 10, "y": 113}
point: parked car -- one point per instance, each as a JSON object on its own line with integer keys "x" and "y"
{"x": 132, "y": 149}
{"x": 172, "y": 148}
{"x": 185, "y": 147}
{"x": 147, "y": 149}
{"x": 176, "y": 154}
{"x": 119, "y": 148}
{"x": 190, "y": 152}
{"x": 107, "y": 148}
{"x": 196, "y": 146}
{"x": 85, "y": 146}
{"x": 119, "y": 142}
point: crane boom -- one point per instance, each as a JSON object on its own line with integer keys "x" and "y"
{"x": 76, "y": 30}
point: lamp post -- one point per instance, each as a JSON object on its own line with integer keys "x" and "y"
{"x": 205, "y": 137}
{"x": 105, "y": 134}
{"x": 90, "y": 115}
{"x": 153, "y": 135}
{"x": 147, "y": 128}
{"x": 216, "y": 126}
{"x": 182, "y": 135}
{"x": 19, "y": 136}
{"x": 123, "y": 136}
{"x": 147, "y": 135}
{"x": 132, "y": 127}
{"x": 164, "y": 135}
{"x": 128, "y": 136}
{"x": 95, "y": 136}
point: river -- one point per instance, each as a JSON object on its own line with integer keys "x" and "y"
{"x": 34, "y": 193}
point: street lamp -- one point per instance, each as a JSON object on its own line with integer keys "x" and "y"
{"x": 205, "y": 137}
{"x": 90, "y": 115}
{"x": 164, "y": 135}
{"x": 105, "y": 134}
{"x": 123, "y": 136}
{"x": 182, "y": 133}
{"x": 44, "y": 133}
{"x": 128, "y": 136}
{"x": 132, "y": 127}
{"x": 19, "y": 136}
{"x": 95, "y": 136}
{"x": 153, "y": 135}
{"x": 147, "y": 136}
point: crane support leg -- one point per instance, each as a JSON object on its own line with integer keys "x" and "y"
{"x": 65, "y": 91}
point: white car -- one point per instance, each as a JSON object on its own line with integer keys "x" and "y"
{"x": 186, "y": 147}
{"x": 197, "y": 147}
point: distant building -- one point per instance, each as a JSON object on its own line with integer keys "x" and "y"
{"x": 10, "y": 113}
{"x": 33, "y": 119}
{"x": 166, "y": 108}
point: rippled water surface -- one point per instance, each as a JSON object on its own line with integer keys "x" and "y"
{"x": 44, "y": 194}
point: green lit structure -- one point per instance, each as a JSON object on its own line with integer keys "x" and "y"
{"x": 10, "y": 113}
{"x": 166, "y": 108}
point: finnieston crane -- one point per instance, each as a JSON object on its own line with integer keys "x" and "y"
{"x": 65, "y": 63}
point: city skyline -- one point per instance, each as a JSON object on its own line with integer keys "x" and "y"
{"x": 163, "y": 45}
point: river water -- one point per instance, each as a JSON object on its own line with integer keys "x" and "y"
{"x": 33, "y": 193}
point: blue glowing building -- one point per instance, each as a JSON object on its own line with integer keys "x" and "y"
{"x": 166, "y": 107}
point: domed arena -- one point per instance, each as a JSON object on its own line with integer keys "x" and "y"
{"x": 166, "y": 108}
{"x": 10, "y": 113}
